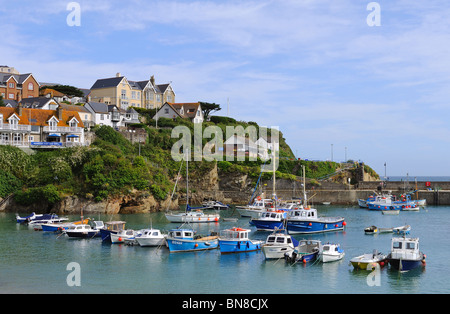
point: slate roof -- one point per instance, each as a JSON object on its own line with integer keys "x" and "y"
{"x": 36, "y": 102}
{"x": 107, "y": 82}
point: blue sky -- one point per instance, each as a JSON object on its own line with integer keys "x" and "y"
{"x": 312, "y": 67}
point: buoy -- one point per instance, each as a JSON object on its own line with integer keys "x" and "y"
{"x": 120, "y": 239}
{"x": 310, "y": 224}
{"x": 304, "y": 261}
{"x": 196, "y": 245}
{"x": 381, "y": 264}
{"x": 216, "y": 219}
{"x": 344, "y": 223}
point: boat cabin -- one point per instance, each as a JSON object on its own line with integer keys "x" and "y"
{"x": 151, "y": 233}
{"x": 235, "y": 233}
{"x": 98, "y": 224}
{"x": 279, "y": 239}
{"x": 181, "y": 234}
{"x": 405, "y": 248}
{"x": 271, "y": 215}
{"x": 303, "y": 214}
{"x": 115, "y": 225}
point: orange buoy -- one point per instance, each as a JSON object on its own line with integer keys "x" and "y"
{"x": 120, "y": 239}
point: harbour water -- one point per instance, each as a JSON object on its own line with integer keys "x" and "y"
{"x": 36, "y": 261}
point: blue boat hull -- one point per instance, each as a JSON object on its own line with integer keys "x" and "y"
{"x": 305, "y": 258}
{"x": 305, "y": 226}
{"x": 181, "y": 245}
{"x": 232, "y": 246}
{"x": 267, "y": 225}
{"x": 405, "y": 265}
{"x": 106, "y": 235}
{"x": 55, "y": 228}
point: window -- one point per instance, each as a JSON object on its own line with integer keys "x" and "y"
{"x": 11, "y": 85}
{"x": 17, "y": 138}
{"x": 166, "y": 110}
{"x": 14, "y": 124}
{"x": 123, "y": 94}
{"x": 169, "y": 98}
{"x": 11, "y": 96}
{"x": 397, "y": 245}
{"x": 52, "y": 125}
{"x": 73, "y": 124}
{"x": 30, "y": 86}
{"x": 133, "y": 94}
{"x": 102, "y": 117}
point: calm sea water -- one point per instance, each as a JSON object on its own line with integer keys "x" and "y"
{"x": 36, "y": 262}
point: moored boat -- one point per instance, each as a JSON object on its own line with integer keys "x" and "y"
{"x": 185, "y": 240}
{"x": 306, "y": 220}
{"x": 81, "y": 231}
{"x": 331, "y": 252}
{"x": 211, "y": 204}
{"x": 191, "y": 216}
{"x": 402, "y": 230}
{"x": 235, "y": 240}
{"x": 59, "y": 227}
{"x": 306, "y": 251}
{"x": 111, "y": 227}
{"x": 269, "y": 220}
{"x": 150, "y": 237}
{"x": 405, "y": 254}
{"x": 123, "y": 236}
{"x": 375, "y": 230}
{"x": 278, "y": 244}
{"x": 368, "y": 261}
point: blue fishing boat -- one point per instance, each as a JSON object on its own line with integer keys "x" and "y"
{"x": 306, "y": 251}
{"x": 185, "y": 240}
{"x": 306, "y": 220}
{"x": 111, "y": 227}
{"x": 269, "y": 220}
{"x": 235, "y": 240}
{"x": 405, "y": 254}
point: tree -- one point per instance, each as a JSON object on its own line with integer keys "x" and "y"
{"x": 66, "y": 89}
{"x": 208, "y": 108}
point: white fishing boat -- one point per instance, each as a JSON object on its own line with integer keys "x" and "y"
{"x": 81, "y": 231}
{"x": 278, "y": 244}
{"x": 331, "y": 253}
{"x": 260, "y": 205}
{"x": 405, "y": 254}
{"x": 123, "y": 236}
{"x": 150, "y": 237}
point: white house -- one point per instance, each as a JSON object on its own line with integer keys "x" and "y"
{"x": 238, "y": 145}
{"x": 192, "y": 111}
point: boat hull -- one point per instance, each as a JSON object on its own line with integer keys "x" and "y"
{"x": 150, "y": 241}
{"x": 106, "y": 235}
{"x": 326, "y": 258}
{"x": 308, "y": 226}
{"x": 83, "y": 234}
{"x": 276, "y": 251}
{"x": 183, "y": 245}
{"x": 267, "y": 225}
{"x": 181, "y": 218}
{"x": 233, "y": 246}
{"x": 406, "y": 264}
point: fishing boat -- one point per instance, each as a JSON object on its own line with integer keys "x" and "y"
{"x": 306, "y": 251}
{"x": 331, "y": 252}
{"x": 81, "y": 231}
{"x": 59, "y": 227}
{"x": 405, "y": 254}
{"x": 368, "y": 261}
{"x": 150, "y": 237}
{"x": 111, "y": 227}
{"x": 36, "y": 224}
{"x": 403, "y": 230}
{"x": 269, "y": 220}
{"x": 390, "y": 203}
{"x": 235, "y": 240}
{"x": 278, "y": 244}
{"x": 191, "y": 214}
{"x": 216, "y": 205}
{"x": 185, "y": 240}
{"x": 253, "y": 210}
{"x": 375, "y": 230}
{"x": 306, "y": 220}
{"x": 123, "y": 236}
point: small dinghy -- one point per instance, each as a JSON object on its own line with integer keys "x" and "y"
{"x": 402, "y": 230}
{"x": 331, "y": 253}
{"x": 375, "y": 230}
{"x": 369, "y": 260}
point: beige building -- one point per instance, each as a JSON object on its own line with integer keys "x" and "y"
{"x": 123, "y": 93}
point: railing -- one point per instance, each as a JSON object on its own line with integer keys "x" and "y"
{"x": 41, "y": 144}
{"x": 63, "y": 129}
{"x": 14, "y": 127}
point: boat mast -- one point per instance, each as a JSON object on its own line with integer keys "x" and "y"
{"x": 187, "y": 180}
{"x": 304, "y": 187}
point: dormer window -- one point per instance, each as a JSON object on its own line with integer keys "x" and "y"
{"x": 52, "y": 125}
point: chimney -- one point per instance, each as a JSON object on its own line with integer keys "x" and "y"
{"x": 59, "y": 111}
{"x": 152, "y": 80}
{"x": 19, "y": 109}
{"x": 118, "y": 74}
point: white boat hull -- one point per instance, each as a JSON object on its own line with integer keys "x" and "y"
{"x": 180, "y": 218}
{"x": 276, "y": 252}
{"x": 150, "y": 241}
{"x": 326, "y": 258}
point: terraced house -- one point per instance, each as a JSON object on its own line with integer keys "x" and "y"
{"x": 40, "y": 128}
{"x": 124, "y": 93}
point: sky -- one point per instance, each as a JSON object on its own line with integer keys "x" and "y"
{"x": 335, "y": 84}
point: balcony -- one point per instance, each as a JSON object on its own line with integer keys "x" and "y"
{"x": 63, "y": 129}
{"x": 15, "y": 127}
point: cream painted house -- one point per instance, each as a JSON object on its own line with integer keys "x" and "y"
{"x": 124, "y": 93}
